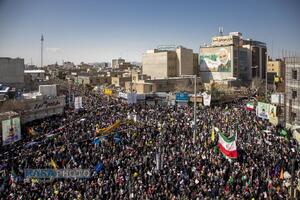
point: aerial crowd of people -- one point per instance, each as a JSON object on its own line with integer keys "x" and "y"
{"x": 154, "y": 157}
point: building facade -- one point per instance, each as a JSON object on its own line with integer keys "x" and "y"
{"x": 292, "y": 91}
{"x": 275, "y": 68}
{"x": 116, "y": 62}
{"x": 230, "y": 57}
{"x": 12, "y": 71}
{"x": 164, "y": 63}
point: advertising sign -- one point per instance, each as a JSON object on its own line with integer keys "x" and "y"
{"x": 262, "y": 110}
{"x": 78, "y": 102}
{"x": 11, "y": 131}
{"x": 182, "y": 97}
{"x": 215, "y": 59}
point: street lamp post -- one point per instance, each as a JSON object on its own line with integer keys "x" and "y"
{"x": 195, "y": 91}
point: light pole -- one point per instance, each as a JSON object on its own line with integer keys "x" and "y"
{"x": 266, "y": 74}
{"x": 195, "y": 105}
{"x": 195, "y": 91}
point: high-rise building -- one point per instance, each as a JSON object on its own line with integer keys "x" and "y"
{"x": 292, "y": 91}
{"x": 166, "y": 62}
{"x": 12, "y": 71}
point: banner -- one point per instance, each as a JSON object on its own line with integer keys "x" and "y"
{"x": 11, "y": 131}
{"x": 107, "y": 92}
{"x": 123, "y": 95}
{"x": 110, "y": 128}
{"x": 132, "y": 98}
{"x": 266, "y": 111}
{"x": 262, "y": 110}
{"x": 78, "y": 102}
{"x": 206, "y": 99}
{"x": 216, "y": 59}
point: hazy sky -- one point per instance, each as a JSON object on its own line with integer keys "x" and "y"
{"x": 99, "y": 30}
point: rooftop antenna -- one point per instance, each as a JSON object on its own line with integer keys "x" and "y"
{"x": 220, "y": 31}
{"x": 42, "y": 43}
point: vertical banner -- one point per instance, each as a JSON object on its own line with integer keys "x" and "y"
{"x": 11, "y": 131}
{"x": 78, "y": 103}
{"x": 206, "y": 99}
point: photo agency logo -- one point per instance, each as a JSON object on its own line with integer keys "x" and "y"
{"x": 56, "y": 173}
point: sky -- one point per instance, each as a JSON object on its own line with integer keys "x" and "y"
{"x": 99, "y": 30}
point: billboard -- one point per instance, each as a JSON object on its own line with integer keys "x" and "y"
{"x": 265, "y": 110}
{"x": 11, "y": 130}
{"x": 216, "y": 59}
{"x": 182, "y": 97}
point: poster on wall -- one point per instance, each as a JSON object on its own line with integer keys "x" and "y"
{"x": 11, "y": 131}
{"x": 215, "y": 59}
{"x": 78, "y": 103}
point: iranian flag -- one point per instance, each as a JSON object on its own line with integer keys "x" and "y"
{"x": 227, "y": 145}
{"x": 250, "y": 106}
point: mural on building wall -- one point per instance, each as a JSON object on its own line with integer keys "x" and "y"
{"x": 215, "y": 60}
{"x": 11, "y": 131}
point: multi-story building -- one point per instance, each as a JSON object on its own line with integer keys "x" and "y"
{"x": 168, "y": 62}
{"x": 116, "y": 62}
{"x": 275, "y": 68}
{"x": 12, "y": 72}
{"x": 292, "y": 91}
{"x": 231, "y": 57}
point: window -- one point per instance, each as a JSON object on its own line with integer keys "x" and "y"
{"x": 293, "y": 116}
{"x": 294, "y": 74}
{"x": 294, "y": 94}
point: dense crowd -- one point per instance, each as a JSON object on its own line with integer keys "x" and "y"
{"x": 130, "y": 168}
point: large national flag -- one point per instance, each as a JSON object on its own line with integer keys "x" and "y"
{"x": 227, "y": 145}
{"x": 250, "y": 106}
